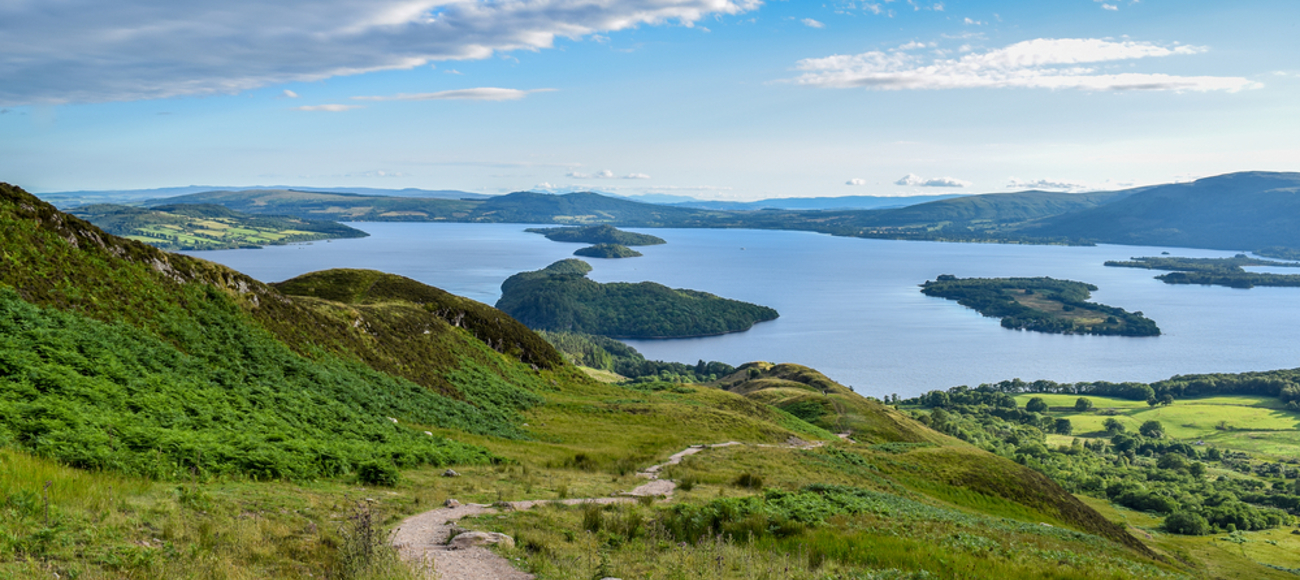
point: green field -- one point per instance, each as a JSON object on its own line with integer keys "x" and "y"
{"x": 1253, "y": 424}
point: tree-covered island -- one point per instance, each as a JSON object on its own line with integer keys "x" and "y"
{"x": 607, "y": 251}
{"x": 602, "y": 234}
{"x": 1214, "y": 271}
{"x": 1041, "y": 305}
{"x": 560, "y": 297}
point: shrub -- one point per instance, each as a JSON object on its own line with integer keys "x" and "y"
{"x": 381, "y": 473}
{"x": 1187, "y": 524}
{"x": 749, "y": 481}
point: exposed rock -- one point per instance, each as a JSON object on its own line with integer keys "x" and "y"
{"x": 471, "y": 539}
{"x": 451, "y": 503}
{"x": 450, "y": 473}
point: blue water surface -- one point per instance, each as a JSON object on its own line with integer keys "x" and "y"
{"x": 850, "y": 307}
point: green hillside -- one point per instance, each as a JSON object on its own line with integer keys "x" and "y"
{"x": 207, "y": 227}
{"x": 560, "y": 297}
{"x": 1237, "y": 211}
{"x": 166, "y": 417}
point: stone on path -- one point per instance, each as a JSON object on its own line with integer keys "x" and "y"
{"x": 472, "y": 539}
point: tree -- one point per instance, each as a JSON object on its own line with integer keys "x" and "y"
{"x": 1166, "y": 399}
{"x": 1187, "y": 523}
{"x": 1152, "y": 401}
{"x": 1174, "y": 461}
{"x": 1152, "y": 429}
{"x": 1062, "y": 427}
{"x": 1114, "y": 426}
{"x": 1083, "y": 404}
{"x": 1036, "y": 405}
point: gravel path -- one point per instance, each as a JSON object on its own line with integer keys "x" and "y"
{"x": 422, "y": 539}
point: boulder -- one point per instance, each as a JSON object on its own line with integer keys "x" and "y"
{"x": 451, "y": 503}
{"x": 450, "y": 473}
{"x": 471, "y": 539}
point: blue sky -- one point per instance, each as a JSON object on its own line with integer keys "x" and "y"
{"x": 715, "y": 99}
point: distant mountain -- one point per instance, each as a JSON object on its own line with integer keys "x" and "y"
{"x": 1237, "y": 211}
{"x": 328, "y": 205}
{"x": 1240, "y": 211}
{"x": 816, "y": 203}
{"x": 67, "y": 199}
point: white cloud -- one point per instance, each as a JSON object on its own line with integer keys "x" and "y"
{"x": 915, "y": 180}
{"x": 1043, "y": 63}
{"x": 856, "y": 181}
{"x": 970, "y": 22}
{"x": 95, "y": 51}
{"x": 475, "y": 94}
{"x": 578, "y": 175}
{"x": 604, "y": 174}
{"x": 330, "y": 108}
{"x": 812, "y": 23}
{"x": 288, "y": 94}
{"x": 1048, "y": 184}
{"x": 636, "y": 176}
{"x": 1109, "y": 7}
{"x": 913, "y": 45}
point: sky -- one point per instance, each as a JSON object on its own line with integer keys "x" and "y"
{"x": 712, "y": 99}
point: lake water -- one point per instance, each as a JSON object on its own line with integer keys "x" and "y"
{"x": 851, "y": 307}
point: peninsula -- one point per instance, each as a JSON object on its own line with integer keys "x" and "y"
{"x": 560, "y": 297}
{"x": 1228, "y": 272}
{"x": 1041, "y": 305}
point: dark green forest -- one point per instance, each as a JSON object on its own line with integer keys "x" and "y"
{"x": 607, "y": 354}
{"x": 601, "y": 234}
{"x": 561, "y": 298}
{"x": 1041, "y": 305}
{"x": 609, "y": 251}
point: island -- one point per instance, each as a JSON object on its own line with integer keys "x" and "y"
{"x": 1228, "y": 272}
{"x": 1041, "y": 305}
{"x": 208, "y": 227}
{"x": 607, "y": 251}
{"x": 602, "y": 234}
{"x": 560, "y": 297}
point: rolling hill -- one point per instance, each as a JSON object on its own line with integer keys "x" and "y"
{"x": 1237, "y": 211}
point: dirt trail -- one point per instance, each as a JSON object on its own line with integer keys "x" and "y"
{"x": 421, "y": 540}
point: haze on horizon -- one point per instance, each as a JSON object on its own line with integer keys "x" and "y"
{"x": 713, "y": 99}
